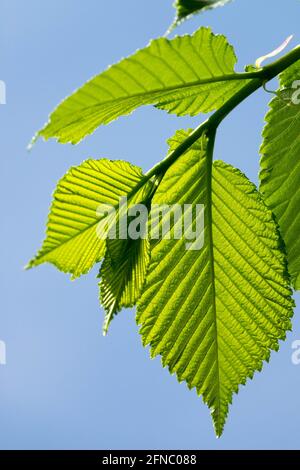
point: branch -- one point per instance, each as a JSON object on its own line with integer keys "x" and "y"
{"x": 261, "y": 77}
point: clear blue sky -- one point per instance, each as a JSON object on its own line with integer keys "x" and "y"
{"x": 64, "y": 385}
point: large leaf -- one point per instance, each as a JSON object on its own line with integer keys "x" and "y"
{"x": 185, "y": 75}
{"x": 280, "y": 166}
{"x": 215, "y": 314}
{"x": 186, "y": 8}
{"x": 75, "y": 221}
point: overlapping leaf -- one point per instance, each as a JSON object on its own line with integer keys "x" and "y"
{"x": 122, "y": 278}
{"x": 215, "y": 314}
{"x": 185, "y": 75}
{"x": 73, "y": 242}
{"x": 124, "y": 269}
{"x": 186, "y": 8}
{"x": 280, "y": 165}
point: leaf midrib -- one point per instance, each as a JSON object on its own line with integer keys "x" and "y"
{"x": 138, "y": 186}
{"x": 209, "y": 169}
{"x": 207, "y": 81}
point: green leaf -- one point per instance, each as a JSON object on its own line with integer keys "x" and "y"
{"x": 280, "y": 166}
{"x": 215, "y": 314}
{"x": 124, "y": 269}
{"x": 288, "y": 77}
{"x": 72, "y": 243}
{"x": 185, "y": 76}
{"x": 123, "y": 274}
{"x": 186, "y": 8}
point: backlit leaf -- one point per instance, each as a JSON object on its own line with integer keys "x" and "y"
{"x": 185, "y": 76}
{"x": 280, "y": 165}
{"x": 186, "y": 8}
{"x": 215, "y": 314}
{"x": 72, "y": 243}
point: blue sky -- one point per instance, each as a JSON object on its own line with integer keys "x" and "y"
{"x": 64, "y": 385}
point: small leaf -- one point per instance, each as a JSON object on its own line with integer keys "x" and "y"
{"x": 122, "y": 280}
{"x": 73, "y": 244}
{"x": 215, "y": 314}
{"x": 124, "y": 268}
{"x": 280, "y": 165}
{"x": 185, "y": 76}
{"x": 186, "y": 8}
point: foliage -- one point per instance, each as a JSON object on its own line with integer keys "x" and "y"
{"x": 280, "y": 166}
{"x": 187, "y": 8}
{"x": 213, "y": 314}
{"x": 184, "y": 76}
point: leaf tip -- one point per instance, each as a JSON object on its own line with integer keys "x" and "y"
{"x": 104, "y": 332}
{"x": 29, "y": 265}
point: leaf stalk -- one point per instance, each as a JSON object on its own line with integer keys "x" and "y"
{"x": 255, "y": 80}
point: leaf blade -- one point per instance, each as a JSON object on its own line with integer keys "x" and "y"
{"x": 185, "y": 75}
{"x": 72, "y": 243}
{"x": 186, "y": 8}
{"x": 122, "y": 280}
{"x": 280, "y": 167}
{"x": 123, "y": 271}
{"x": 200, "y": 319}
